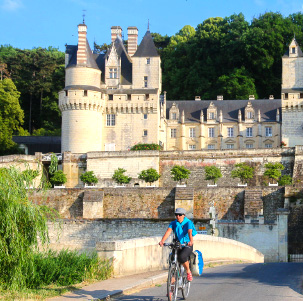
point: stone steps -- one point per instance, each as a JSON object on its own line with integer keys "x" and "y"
{"x": 184, "y": 193}
{"x": 253, "y": 203}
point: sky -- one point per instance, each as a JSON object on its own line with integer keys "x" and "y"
{"x": 43, "y": 23}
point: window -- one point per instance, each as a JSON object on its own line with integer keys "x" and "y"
{"x": 249, "y": 145}
{"x": 192, "y": 132}
{"x": 145, "y": 133}
{"x": 191, "y": 146}
{"x": 173, "y": 133}
{"x": 230, "y": 146}
{"x": 286, "y": 96}
{"x": 268, "y": 131}
{"x": 113, "y": 73}
{"x": 145, "y": 81}
{"x": 148, "y": 60}
{"x": 110, "y": 119}
{"x": 211, "y": 115}
{"x": 66, "y": 93}
{"x": 211, "y": 146}
{"x": 249, "y": 115}
{"x": 129, "y": 97}
{"x": 301, "y": 95}
{"x": 293, "y": 50}
{"x": 249, "y": 132}
{"x": 268, "y": 145}
{"x": 147, "y": 97}
{"x": 110, "y": 97}
{"x": 211, "y": 132}
{"x": 145, "y": 116}
{"x": 174, "y": 116}
{"x": 85, "y": 93}
{"x": 230, "y": 132}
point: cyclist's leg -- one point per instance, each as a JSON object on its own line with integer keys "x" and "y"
{"x": 183, "y": 256}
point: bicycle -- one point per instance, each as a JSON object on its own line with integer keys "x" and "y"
{"x": 177, "y": 276}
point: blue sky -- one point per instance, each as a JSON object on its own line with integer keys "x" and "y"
{"x": 34, "y": 23}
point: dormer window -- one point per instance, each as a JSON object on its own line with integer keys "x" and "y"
{"x": 174, "y": 116}
{"x": 293, "y": 50}
{"x": 211, "y": 115}
{"x": 250, "y": 115}
{"x": 113, "y": 73}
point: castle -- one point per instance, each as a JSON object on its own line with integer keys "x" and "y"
{"x": 113, "y": 101}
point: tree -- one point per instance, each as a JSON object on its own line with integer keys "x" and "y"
{"x": 285, "y": 180}
{"x": 212, "y": 173}
{"x": 89, "y": 178}
{"x": 58, "y": 178}
{"x": 243, "y": 171}
{"x": 22, "y": 222}
{"x": 179, "y": 173}
{"x": 120, "y": 177}
{"x": 149, "y": 175}
{"x": 273, "y": 170}
{"x": 11, "y": 115}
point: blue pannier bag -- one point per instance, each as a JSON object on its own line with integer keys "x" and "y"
{"x": 197, "y": 263}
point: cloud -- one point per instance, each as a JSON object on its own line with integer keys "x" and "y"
{"x": 12, "y": 5}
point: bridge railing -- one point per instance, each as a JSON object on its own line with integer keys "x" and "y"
{"x": 133, "y": 256}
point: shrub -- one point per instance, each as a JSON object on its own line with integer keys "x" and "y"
{"x": 149, "y": 175}
{"x": 243, "y": 171}
{"x": 88, "y": 177}
{"x": 146, "y": 146}
{"x": 212, "y": 173}
{"x": 58, "y": 178}
{"x": 120, "y": 177}
{"x": 285, "y": 180}
{"x": 273, "y": 170}
{"x": 179, "y": 173}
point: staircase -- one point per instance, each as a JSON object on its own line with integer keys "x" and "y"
{"x": 184, "y": 193}
{"x": 253, "y": 203}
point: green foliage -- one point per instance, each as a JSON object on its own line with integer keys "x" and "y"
{"x": 45, "y": 132}
{"x": 149, "y": 175}
{"x": 120, "y": 177}
{"x": 243, "y": 171}
{"x": 58, "y": 178}
{"x": 179, "y": 173}
{"x": 21, "y": 223}
{"x": 273, "y": 170}
{"x": 88, "y": 177}
{"x": 11, "y": 116}
{"x": 212, "y": 173}
{"x": 53, "y": 167}
{"x": 67, "y": 268}
{"x": 285, "y": 180}
{"x": 146, "y": 146}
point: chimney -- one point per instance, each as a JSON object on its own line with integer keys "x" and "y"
{"x": 81, "y": 53}
{"x": 132, "y": 43}
{"x": 219, "y": 97}
{"x": 251, "y": 97}
{"x": 271, "y": 97}
{"x": 116, "y": 31}
{"x": 197, "y": 98}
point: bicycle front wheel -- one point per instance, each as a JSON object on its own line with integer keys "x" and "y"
{"x": 172, "y": 283}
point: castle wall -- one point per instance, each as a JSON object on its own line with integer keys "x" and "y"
{"x": 292, "y": 70}
{"x": 81, "y": 76}
{"x": 292, "y": 127}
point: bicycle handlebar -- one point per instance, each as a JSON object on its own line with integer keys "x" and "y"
{"x": 174, "y": 244}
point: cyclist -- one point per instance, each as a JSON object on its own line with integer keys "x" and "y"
{"x": 184, "y": 231}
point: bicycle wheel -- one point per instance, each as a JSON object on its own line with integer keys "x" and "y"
{"x": 185, "y": 287}
{"x": 172, "y": 283}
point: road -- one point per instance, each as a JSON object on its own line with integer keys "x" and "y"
{"x": 239, "y": 282}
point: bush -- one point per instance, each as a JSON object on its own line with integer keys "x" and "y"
{"x": 119, "y": 176}
{"x": 243, "y": 171}
{"x": 179, "y": 173}
{"x": 146, "y": 146}
{"x": 88, "y": 177}
{"x": 58, "y": 178}
{"x": 212, "y": 173}
{"x": 285, "y": 180}
{"x": 273, "y": 170}
{"x": 149, "y": 175}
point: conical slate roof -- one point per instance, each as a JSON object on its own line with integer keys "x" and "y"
{"x": 147, "y": 47}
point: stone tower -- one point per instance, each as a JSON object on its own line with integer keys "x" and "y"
{"x": 111, "y": 100}
{"x": 292, "y": 95}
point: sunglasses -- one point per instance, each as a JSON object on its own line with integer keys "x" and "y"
{"x": 178, "y": 214}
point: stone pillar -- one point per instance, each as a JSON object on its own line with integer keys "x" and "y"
{"x": 93, "y": 204}
{"x": 282, "y": 220}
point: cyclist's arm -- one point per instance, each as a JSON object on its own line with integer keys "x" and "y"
{"x": 165, "y": 236}
{"x": 190, "y": 235}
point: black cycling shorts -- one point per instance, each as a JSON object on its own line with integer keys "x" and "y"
{"x": 184, "y": 253}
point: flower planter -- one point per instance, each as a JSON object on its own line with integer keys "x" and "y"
{"x": 211, "y": 185}
{"x": 181, "y": 185}
{"x": 89, "y": 185}
{"x": 120, "y": 186}
{"x": 152, "y": 186}
{"x": 242, "y": 185}
{"x": 272, "y": 184}
{"x": 59, "y": 186}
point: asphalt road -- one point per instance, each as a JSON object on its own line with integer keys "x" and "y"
{"x": 239, "y": 282}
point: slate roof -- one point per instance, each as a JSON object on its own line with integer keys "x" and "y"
{"x": 192, "y": 109}
{"x": 293, "y": 90}
{"x": 147, "y": 47}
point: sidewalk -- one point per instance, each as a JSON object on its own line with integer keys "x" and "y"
{"x": 115, "y": 286}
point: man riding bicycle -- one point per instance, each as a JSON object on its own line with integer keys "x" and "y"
{"x": 184, "y": 230}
